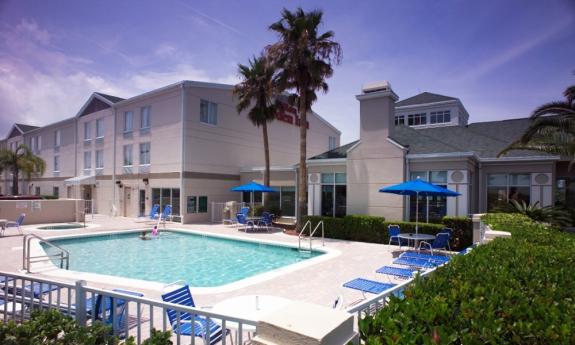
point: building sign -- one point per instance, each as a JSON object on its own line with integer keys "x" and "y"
{"x": 288, "y": 114}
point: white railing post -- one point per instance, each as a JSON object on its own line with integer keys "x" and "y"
{"x": 80, "y": 302}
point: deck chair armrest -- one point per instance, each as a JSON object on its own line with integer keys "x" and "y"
{"x": 426, "y": 243}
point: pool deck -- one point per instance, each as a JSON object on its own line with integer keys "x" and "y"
{"x": 319, "y": 283}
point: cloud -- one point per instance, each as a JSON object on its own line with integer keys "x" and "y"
{"x": 30, "y": 28}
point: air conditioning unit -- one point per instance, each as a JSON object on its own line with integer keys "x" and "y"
{"x": 313, "y": 178}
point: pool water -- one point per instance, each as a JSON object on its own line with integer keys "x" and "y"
{"x": 68, "y": 226}
{"x": 202, "y": 261}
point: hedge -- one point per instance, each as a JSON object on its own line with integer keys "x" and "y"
{"x": 373, "y": 229}
{"x": 518, "y": 290}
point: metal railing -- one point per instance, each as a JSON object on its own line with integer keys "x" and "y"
{"x": 311, "y": 233}
{"x": 128, "y": 315}
{"x": 28, "y": 259}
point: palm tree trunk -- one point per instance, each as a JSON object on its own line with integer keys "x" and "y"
{"x": 302, "y": 176}
{"x": 267, "y": 159}
{"x": 15, "y": 181}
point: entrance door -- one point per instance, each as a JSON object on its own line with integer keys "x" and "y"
{"x": 127, "y": 201}
{"x": 142, "y": 203}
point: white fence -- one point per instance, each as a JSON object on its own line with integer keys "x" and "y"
{"x": 129, "y": 315}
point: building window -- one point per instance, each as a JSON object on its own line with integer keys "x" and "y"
{"x": 203, "y": 204}
{"x": 87, "y": 131}
{"x": 56, "y": 163}
{"x": 440, "y": 116}
{"x": 145, "y": 117}
{"x": 333, "y": 194}
{"x": 400, "y": 120}
{"x": 99, "y": 159}
{"x": 128, "y": 121}
{"x": 502, "y": 188}
{"x": 87, "y": 160}
{"x": 57, "y": 138}
{"x": 128, "y": 160}
{"x": 332, "y": 143}
{"x": 417, "y": 119}
{"x": 56, "y": 191}
{"x": 167, "y": 196}
{"x": 283, "y": 201}
{"x": 144, "y": 153}
{"x": 432, "y": 208}
{"x": 208, "y": 112}
{"x": 99, "y": 128}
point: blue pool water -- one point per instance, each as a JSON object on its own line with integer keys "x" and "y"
{"x": 202, "y": 261}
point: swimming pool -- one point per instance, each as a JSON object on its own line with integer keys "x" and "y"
{"x": 202, "y": 261}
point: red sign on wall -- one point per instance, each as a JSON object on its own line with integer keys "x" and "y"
{"x": 288, "y": 114}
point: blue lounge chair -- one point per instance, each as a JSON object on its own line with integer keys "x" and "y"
{"x": 366, "y": 285}
{"x": 190, "y": 324}
{"x": 393, "y": 231}
{"x": 416, "y": 262}
{"x": 119, "y": 318}
{"x": 437, "y": 258}
{"x": 403, "y": 273}
{"x": 19, "y": 221}
{"x": 441, "y": 241}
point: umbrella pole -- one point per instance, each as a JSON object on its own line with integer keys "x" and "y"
{"x": 416, "y": 213}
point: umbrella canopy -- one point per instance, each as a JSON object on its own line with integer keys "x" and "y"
{"x": 253, "y": 187}
{"x": 418, "y": 187}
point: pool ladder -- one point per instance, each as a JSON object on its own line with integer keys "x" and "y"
{"x": 28, "y": 259}
{"x": 302, "y": 235}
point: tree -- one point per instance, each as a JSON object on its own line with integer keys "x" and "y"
{"x": 304, "y": 58}
{"x": 21, "y": 160}
{"x": 552, "y": 129}
{"x": 258, "y": 87}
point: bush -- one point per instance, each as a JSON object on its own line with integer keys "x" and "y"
{"x": 373, "y": 229}
{"x": 517, "y": 290}
{"x": 53, "y": 327}
{"x": 48, "y": 197}
{"x": 275, "y": 210}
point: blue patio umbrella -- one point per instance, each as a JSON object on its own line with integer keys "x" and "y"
{"x": 253, "y": 187}
{"x": 418, "y": 187}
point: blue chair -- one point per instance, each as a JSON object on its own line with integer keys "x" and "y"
{"x": 403, "y": 273}
{"x": 441, "y": 241}
{"x": 190, "y": 324}
{"x": 167, "y": 213}
{"x": 437, "y": 258}
{"x": 245, "y": 211}
{"x": 154, "y": 212}
{"x": 266, "y": 221}
{"x": 416, "y": 262}
{"x": 366, "y": 285}
{"x": 118, "y": 318}
{"x": 19, "y": 221}
{"x": 247, "y": 224}
{"x": 393, "y": 231}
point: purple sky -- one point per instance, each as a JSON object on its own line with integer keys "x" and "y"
{"x": 501, "y": 58}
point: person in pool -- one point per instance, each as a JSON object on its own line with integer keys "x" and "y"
{"x": 144, "y": 236}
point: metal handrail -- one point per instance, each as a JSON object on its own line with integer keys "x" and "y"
{"x": 64, "y": 255}
{"x": 300, "y": 235}
{"x": 313, "y": 232}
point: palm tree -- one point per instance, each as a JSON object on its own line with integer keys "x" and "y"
{"x": 21, "y": 160}
{"x": 258, "y": 88}
{"x": 305, "y": 59}
{"x": 552, "y": 129}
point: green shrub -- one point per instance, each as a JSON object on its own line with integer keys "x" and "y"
{"x": 373, "y": 229}
{"x": 275, "y": 210}
{"x": 518, "y": 290}
{"x": 53, "y": 327}
{"x": 48, "y": 197}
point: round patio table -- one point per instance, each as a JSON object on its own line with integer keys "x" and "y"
{"x": 416, "y": 238}
{"x": 249, "y": 307}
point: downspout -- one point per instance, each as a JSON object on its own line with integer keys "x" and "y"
{"x": 114, "y": 210}
{"x": 183, "y": 155}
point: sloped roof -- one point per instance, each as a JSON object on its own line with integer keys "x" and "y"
{"x": 338, "y": 152}
{"x": 25, "y": 128}
{"x": 111, "y": 98}
{"x": 424, "y": 98}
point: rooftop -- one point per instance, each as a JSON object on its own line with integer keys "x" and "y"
{"x": 425, "y": 98}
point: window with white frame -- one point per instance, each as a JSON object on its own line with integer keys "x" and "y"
{"x": 416, "y": 119}
{"x": 333, "y": 194}
{"x": 57, "y": 138}
{"x": 99, "y": 128}
{"x": 87, "y": 131}
{"x": 332, "y": 143}
{"x": 99, "y": 159}
{"x": 432, "y": 208}
{"x": 128, "y": 161}
{"x": 87, "y": 160}
{"x": 145, "y": 117}
{"x": 128, "y": 121}
{"x": 144, "y": 153}
{"x": 208, "y": 112}
{"x": 400, "y": 120}
{"x": 56, "y": 163}
{"x": 502, "y": 188}
{"x": 440, "y": 116}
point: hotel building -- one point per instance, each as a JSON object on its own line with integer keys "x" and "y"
{"x": 185, "y": 145}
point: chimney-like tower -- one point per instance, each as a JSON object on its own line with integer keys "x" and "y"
{"x": 376, "y": 112}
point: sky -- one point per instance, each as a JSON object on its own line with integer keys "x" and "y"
{"x": 501, "y": 58}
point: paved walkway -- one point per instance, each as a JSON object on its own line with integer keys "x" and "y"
{"x": 319, "y": 283}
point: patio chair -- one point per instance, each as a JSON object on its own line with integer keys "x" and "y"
{"x": 441, "y": 241}
{"x": 247, "y": 224}
{"x": 245, "y": 211}
{"x": 15, "y": 224}
{"x": 266, "y": 221}
{"x": 436, "y": 258}
{"x": 393, "y": 231}
{"x": 118, "y": 318}
{"x": 416, "y": 262}
{"x": 403, "y": 273}
{"x": 185, "y": 323}
{"x": 366, "y": 285}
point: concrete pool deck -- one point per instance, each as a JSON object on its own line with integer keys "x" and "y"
{"x": 319, "y": 283}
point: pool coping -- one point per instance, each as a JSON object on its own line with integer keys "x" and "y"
{"x": 37, "y": 227}
{"x": 49, "y": 269}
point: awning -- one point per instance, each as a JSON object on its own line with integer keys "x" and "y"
{"x": 81, "y": 180}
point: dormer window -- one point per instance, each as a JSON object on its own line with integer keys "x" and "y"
{"x": 440, "y": 117}
{"x": 416, "y": 119}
